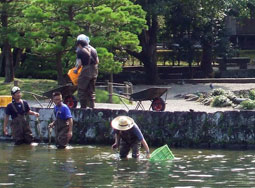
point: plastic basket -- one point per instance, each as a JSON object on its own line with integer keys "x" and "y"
{"x": 161, "y": 154}
{"x": 5, "y": 100}
{"x": 74, "y": 76}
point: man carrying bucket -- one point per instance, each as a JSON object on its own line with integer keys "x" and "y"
{"x": 63, "y": 123}
{"x": 87, "y": 59}
{"x": 18, "y": 109}
{"x": 128, "y": 136}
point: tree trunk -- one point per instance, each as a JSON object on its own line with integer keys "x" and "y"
{"x": 7, "y": 55}
{"x": 61, "y": 80}
{"x": 150, "y": 66}
{"x": 17, "y": 52}
{"x": 9, "y": 73}
{"x": 2, "y": 64}
{"x": 148, "y": 41}
{"x": 206, "y": 64}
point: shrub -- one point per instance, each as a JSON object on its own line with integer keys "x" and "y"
{"x": 221, "y": 101}
{"x": 248, "y": 104}
{"x": 252, "y": 94}
{"x": 217, "y": 92}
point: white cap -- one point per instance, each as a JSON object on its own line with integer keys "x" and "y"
{"x": 83, "y": 37}
{"x": 14, "y": 90}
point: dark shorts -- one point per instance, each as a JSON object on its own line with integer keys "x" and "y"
{"x": 125, "y": 148}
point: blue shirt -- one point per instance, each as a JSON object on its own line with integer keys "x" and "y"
{"x": 131, "y": 135}
{"x": 10, "y": 110}
{"x": 62, "y": 112}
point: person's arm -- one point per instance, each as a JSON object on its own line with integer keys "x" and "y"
{"x": 78, "y": 64}
{"x": 51, "y": 125}
{"x": 146, "y": 147}
{"x": 30, "y": 112}
{"x": 97, "y": 60}
{"x": 69, "y": 122}
{"x": 6, "y": 118}
{"x": 117, "y": 141}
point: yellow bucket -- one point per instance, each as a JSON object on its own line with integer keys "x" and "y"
{"x": 5, "y": 100}
{"x": 74, "y": 76}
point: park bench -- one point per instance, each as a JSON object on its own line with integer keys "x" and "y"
{"x": 241, "y": 61}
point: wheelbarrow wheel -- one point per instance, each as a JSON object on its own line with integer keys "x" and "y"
{"x": 158, "y": 104}
{"x": 70, "y": 101}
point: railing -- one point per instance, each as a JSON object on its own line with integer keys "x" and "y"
{"x": 241, "y": 61}
{"x": 125, "y": 89}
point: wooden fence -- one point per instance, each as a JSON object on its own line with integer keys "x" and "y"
{"x": 124, "y": 89}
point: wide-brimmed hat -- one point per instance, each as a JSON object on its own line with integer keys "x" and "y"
{"x": 122, "y": 123}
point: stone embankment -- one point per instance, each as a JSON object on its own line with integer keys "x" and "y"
{"x": 222, "y": 129}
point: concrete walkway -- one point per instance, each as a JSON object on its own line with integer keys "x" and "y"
{"x": 174, "y": 103}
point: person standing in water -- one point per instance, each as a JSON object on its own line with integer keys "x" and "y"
{"x": 128, "y": 136}
{"x": 63, "y": 124}
{"x": 18, "y": 109}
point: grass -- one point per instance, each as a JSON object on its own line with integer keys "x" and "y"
{"x": 39, "y": 86}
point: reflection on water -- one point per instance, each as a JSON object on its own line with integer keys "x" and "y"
{"x": 97, "y": 166}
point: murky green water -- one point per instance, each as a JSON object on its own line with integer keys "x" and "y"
{"x": 97, "y": 166}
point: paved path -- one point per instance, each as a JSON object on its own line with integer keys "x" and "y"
{"x": 175, "y": 103}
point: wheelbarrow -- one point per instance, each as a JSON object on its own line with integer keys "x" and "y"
{"x": 67, "y": 94}
{"x": 67, "y": 90}
{"x": 152, "y": 94}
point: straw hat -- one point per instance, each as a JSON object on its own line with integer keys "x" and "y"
{"x": 122, "y": 123}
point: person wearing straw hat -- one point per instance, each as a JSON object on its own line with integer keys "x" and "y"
{"x": 18, "y": 109}
{"x": 128, "y": 136}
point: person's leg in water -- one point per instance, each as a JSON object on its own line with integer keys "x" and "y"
{"x": 61, "y": 137}
{"x": 124, "y": 149}
{"x": 136, "y": 150}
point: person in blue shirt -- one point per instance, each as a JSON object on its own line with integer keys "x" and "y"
{"x": 64, "y": 122}
{"x": 18, "y": 109}
{"x": 128, "y": 136}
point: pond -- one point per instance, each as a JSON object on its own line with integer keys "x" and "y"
{"x": 98, "y": 166}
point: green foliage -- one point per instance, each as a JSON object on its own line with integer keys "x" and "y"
{"x": 102, "y": 96}
{"x": 110, "y": 25}
{"x": 109, "y": 65}
{"x": 37, "y": 86}
{"x": 252, "y": 94}
{"x": 217, "y": 92}
{"x": 37, "y": 67}
{"x": 221, "y": 101}
{"x": 248, "y": 104}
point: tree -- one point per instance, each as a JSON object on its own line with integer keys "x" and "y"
{"x": 112, "y": 26}
{"x": 12, "y": 39}
{"x": 199, "y": 22}
{"x": 148, "y": 39}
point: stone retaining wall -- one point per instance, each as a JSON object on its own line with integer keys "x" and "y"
{"x": 229, "y": 129}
